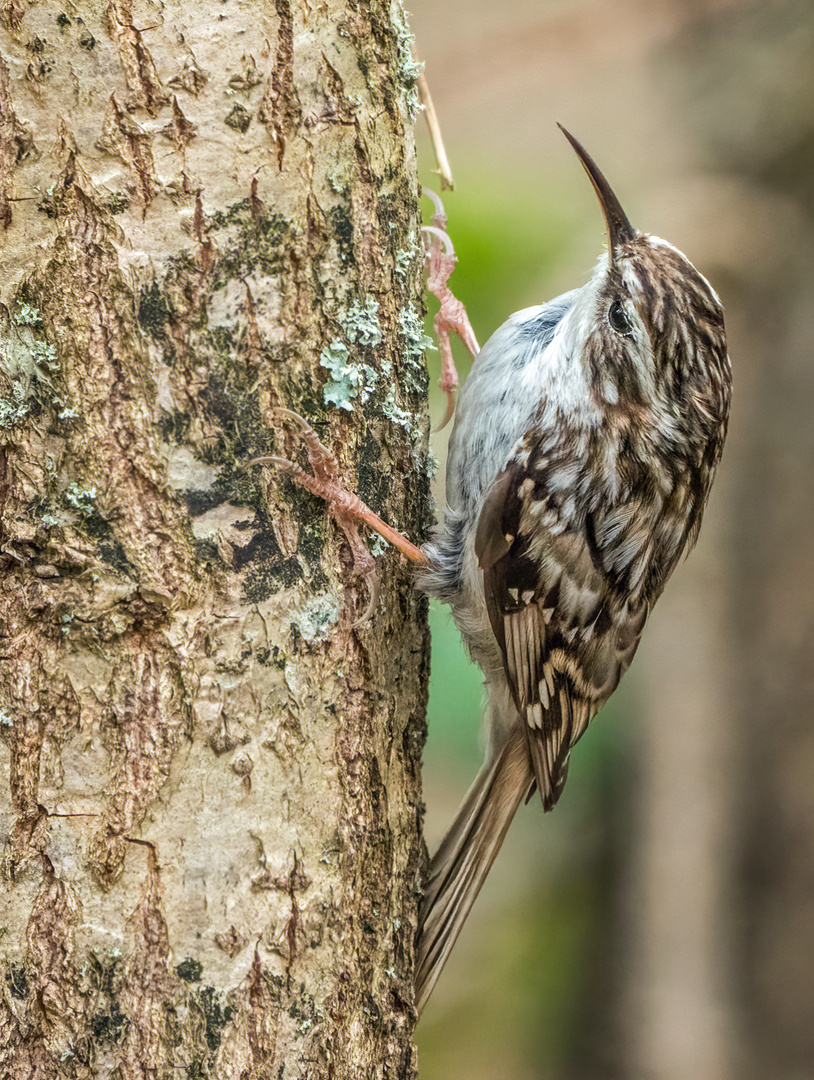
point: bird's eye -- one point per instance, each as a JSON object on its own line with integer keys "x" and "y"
{"x": 618, "y": 319}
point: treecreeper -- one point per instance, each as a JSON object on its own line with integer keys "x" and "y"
{"x": 586, "y": 439}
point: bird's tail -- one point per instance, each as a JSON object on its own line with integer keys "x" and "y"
{"x": 466, "y": 854}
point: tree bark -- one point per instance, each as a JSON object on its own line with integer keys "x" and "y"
{"x": 211, "y": 823}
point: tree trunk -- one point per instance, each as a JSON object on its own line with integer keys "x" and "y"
{"x": 211, "y": 823}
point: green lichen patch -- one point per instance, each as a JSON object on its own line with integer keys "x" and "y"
{"x": 360, "y": 323}
{"x": 415, "y": 340}
{"x": 81, "y": 499}
{"x": 349, "y": 379}
{"x": 44, "y": 355}
{"x": 28, "y": 366}
{"x": 27, "y": 315}
{"x": 317, "y": 617}
{"x": 352, "y": 381}
{"x": 405, "y": 262}
{"x": 408, "y": 67}
{"x": 14, "y": 406}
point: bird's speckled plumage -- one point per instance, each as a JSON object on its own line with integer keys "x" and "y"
{"x": 587, "y": 437}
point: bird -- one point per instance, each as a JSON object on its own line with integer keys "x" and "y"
{"x": 586, "y": 439}
{"x": 587, "y": 435}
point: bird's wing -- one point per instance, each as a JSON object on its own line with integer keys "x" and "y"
{"x": 565, "y": 634}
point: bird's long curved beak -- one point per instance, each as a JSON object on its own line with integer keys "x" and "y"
{"x": 619, "y": 228}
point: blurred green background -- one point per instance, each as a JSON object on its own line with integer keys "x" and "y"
{"x": 659, "y": 924}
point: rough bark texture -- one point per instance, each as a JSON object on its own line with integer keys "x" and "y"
{"x": 210, "y": 823}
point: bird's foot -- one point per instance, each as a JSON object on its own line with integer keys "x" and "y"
{"x": 451, "y": 317}
{"x": 347, "y": 508}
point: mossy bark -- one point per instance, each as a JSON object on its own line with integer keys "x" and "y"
{"x": 211, "y": 819}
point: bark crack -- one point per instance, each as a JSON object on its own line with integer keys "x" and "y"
{"x": 16, "y": 143}
{"x": 137, "y": 63}
{"x": 280, "y": 106}
{"x": 125, "y": 139}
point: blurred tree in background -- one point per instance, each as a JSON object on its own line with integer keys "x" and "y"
{"x": 660, "y": 923}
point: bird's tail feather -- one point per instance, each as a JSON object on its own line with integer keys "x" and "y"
{"x": 466, "y": 854}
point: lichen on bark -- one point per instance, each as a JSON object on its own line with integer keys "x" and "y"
{"x": 211, "y": 816}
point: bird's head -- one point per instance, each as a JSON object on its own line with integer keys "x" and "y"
{"x": 650, "y": 328}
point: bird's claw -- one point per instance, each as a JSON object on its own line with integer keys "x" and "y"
{"x": 323, "y": 480}
{"x": 347, "y": 508}
{"x": 373, "y": 582}
{"x": 451, "y": 317}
